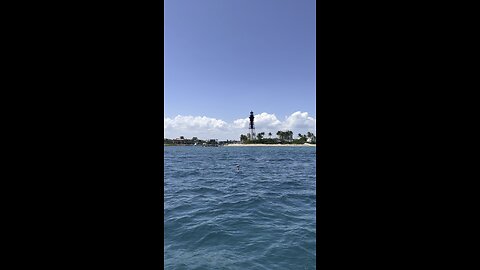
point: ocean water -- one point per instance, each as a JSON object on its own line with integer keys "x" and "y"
{"x": 260, "y": 216}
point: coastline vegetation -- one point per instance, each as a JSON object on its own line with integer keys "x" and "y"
{"x": 284, "y": 137}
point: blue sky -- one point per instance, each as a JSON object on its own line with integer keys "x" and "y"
{"x": 224, "y": 58}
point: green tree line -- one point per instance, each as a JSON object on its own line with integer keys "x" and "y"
{"x": 283, "y": 137}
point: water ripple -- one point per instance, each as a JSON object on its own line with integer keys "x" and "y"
{"x": 259, "y": 217}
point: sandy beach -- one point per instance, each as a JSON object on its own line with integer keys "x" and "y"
{"x": 267, "y": 145}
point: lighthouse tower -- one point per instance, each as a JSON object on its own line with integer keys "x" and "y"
{"x": 251, "y": 127}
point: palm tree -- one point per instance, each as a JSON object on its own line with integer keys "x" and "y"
{"x": 311, "y": 136}
{"x": 270, "y": 135}
{"x": 280, "y": 134}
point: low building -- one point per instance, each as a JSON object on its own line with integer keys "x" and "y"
{"x": 183, "y": 141}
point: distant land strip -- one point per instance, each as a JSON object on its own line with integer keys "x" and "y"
{"x": 267, "y": 145}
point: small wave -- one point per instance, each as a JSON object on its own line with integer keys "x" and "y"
{"x": 262, "y": 217}
{"x": 206, "y": 190}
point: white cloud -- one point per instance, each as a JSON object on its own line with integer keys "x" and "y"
{"x": 300, "y": 121}
{"x": 194, "y": 122}
{"x": 205, "y": 127}
{"x": 262, "y": 121}
{"x": 190, "y": 126}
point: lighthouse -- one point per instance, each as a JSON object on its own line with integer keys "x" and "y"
{"x": 251, "y": 127}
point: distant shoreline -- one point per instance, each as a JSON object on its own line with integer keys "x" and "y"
{"x": 283, "y": 145}
{"x": 246, "y": 145}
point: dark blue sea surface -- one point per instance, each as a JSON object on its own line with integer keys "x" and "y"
{"x": 260, "y": 216}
